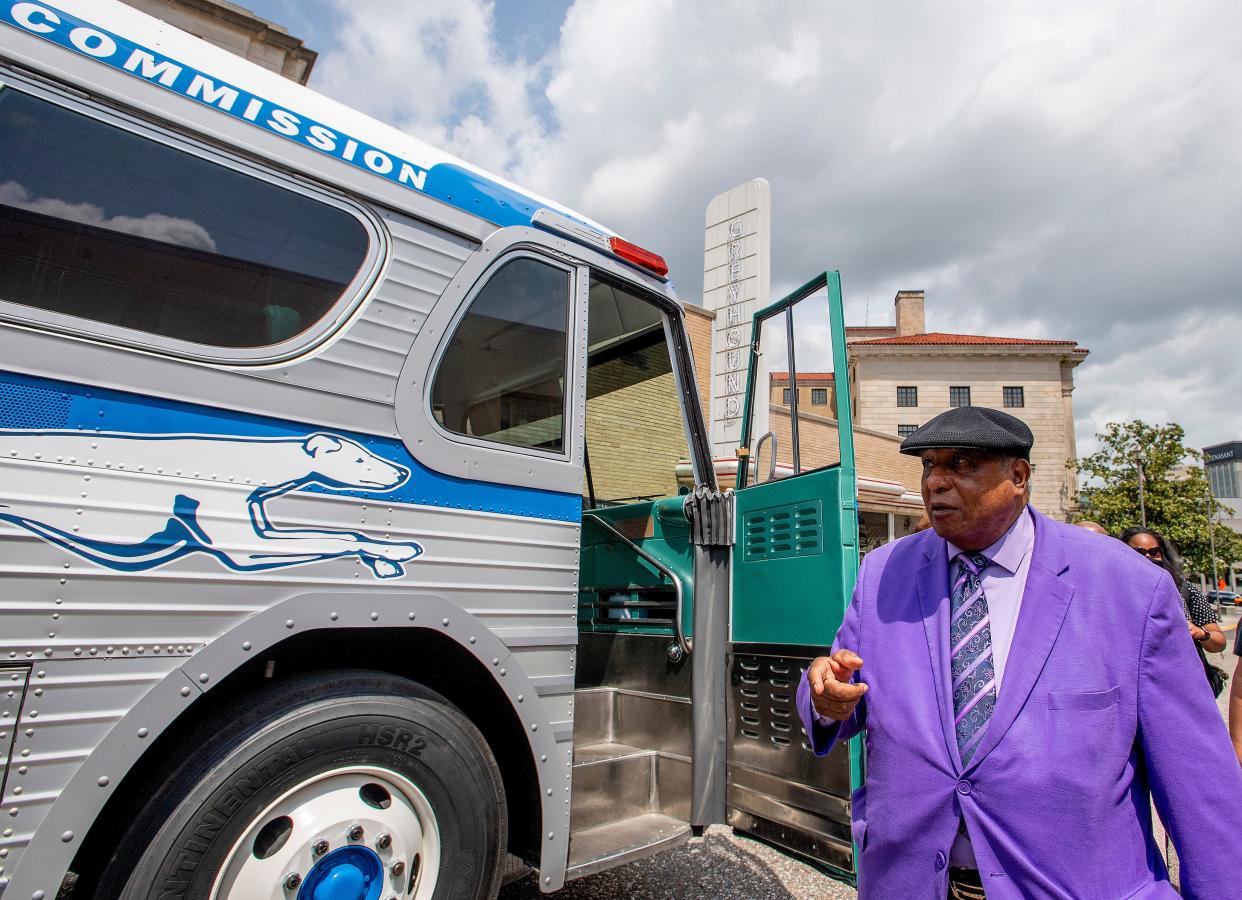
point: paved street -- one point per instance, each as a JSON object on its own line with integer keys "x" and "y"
{"x": 724, "y": 865}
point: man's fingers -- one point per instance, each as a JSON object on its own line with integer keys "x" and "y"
{"x": 844, "y": 663}
{"x": 844, "y": 691}
{"x": 839, "y": 700}
{"x": 849, "y": 659}
{"x": 818, "y": 674}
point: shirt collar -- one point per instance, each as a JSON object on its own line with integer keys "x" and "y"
{"x": 1013, "y": 546}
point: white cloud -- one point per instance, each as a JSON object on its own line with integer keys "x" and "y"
{"x": 1041, "y": 168}
{"x": 154, "y": 226}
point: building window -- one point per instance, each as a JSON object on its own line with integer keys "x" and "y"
{"x": 1014, "y": 397}
{"x": 124, "y": 232}
{"x": 819, "y": 396}
{"x": 502, "y": 377}
{"x": 959, "y": 396}
{"x": 904, "y": 431}
{"x": 907, "y": 396}
{"x": 785, "y": 396}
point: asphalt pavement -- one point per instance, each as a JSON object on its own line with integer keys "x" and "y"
{"x": 730, "y": 866}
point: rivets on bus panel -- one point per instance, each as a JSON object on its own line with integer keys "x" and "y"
{"x": 246, "y": 645}
{"x": 185, "y": 692}
{"x": 444, "y": 622}
{"x": 67, "y": 836}
{"x": 288, "y": 623}
{"x": 103, "y": 781}
{"x": 142, "y": 732}
{"x": 204, "y": 678}
{"x": 411, "y": 617}
{"x": 374, "y": 617}
{"x": 334, "y": 616}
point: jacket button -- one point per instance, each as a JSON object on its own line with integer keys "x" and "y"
{"x": 963, "y": 787}
{"x": 941, "y": 860}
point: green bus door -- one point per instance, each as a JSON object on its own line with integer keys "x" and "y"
{"x": 794, "y": 566}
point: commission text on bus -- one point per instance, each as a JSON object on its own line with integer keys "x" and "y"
{"x": 81, "y": 37}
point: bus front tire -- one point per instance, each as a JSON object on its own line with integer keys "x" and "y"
{"x": 353, "y": 775}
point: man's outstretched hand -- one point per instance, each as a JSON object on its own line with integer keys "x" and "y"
{"x": 832, "y": 693}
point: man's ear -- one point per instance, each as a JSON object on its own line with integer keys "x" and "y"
{"x": 320, "y": 443}
{"x": 1021, "y": 473}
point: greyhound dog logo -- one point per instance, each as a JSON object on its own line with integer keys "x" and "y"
{"x": 229, "y": 522}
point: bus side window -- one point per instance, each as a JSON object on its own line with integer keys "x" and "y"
{"x": 502, "y": 377}
{"x": 122, "y": 230}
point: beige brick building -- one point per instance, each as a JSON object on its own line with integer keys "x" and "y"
{"x": 903, "y": 378}
{"x": 1028, "y": 377}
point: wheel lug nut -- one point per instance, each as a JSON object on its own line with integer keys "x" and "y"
{"x": 384, "y": 841}
{"x": 292, "y": 882}
{"x": 320, "y": 847}
{"x": 355, "y": 833}
{"x": 397, "y": 869}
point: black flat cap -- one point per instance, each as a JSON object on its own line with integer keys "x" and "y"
{"x": 974, "y": 428}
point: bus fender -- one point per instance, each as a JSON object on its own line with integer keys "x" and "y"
{"x": 45, "y": 860}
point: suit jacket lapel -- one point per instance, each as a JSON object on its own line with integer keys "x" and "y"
{"x": 933, "y": 589}
{"x": 1045, "y": 600}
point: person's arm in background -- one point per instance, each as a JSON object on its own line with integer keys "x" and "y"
{"x": 1205, "y": 622}
{"x": 1235, "y": 698}
{"x": 1215, "y": 640}
{"x": 1179, "y": 722}
{"x": 822, "y": 735}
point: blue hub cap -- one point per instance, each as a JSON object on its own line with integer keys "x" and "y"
{"x": 347, "y": 873}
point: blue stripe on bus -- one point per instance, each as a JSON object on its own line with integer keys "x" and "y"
{"x": 36, "y": 404}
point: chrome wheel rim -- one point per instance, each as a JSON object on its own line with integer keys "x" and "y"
{"x": 353, "y": 833}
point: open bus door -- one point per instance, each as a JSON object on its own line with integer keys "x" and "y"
{"x": 793, "y": 572}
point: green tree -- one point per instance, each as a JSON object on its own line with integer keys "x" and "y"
{"x": 1175, "y": 493}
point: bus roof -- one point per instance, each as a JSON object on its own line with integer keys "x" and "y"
{"x": 136, "y": 44}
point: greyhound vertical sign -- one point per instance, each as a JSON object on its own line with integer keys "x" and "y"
{"x": 178, "y": 515}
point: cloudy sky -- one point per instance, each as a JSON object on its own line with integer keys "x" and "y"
{"x": 1046, "y": 169}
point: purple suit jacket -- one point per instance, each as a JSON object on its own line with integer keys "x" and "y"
{"x": 1104, "y": 706}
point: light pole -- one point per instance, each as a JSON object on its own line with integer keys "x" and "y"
{"x": 1138, "y": 467}
{"x": 1212, "y": 542}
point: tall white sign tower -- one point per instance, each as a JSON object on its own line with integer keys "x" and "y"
{"x": 737, "y": 274}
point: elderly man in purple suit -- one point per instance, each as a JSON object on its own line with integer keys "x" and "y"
{"x": 1026, "y": 689}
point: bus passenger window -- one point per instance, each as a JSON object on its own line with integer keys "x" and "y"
{"x": 502, "y": 377}
{"x": 106, "y": 225}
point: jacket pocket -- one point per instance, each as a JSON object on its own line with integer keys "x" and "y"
{"x": 1085, "y": 700}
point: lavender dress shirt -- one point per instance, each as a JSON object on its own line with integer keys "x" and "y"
{"x": 1003, "y": 584}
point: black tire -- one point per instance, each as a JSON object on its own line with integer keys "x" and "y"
{"x": 292, "y": 731}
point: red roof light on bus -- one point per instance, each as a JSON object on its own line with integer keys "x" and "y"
{"x": 637, "y": 255}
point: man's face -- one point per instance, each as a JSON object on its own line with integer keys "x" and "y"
{"x": 972, "y": 496}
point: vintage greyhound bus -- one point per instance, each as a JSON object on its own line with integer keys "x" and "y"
{"x": 343, "y": 552}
